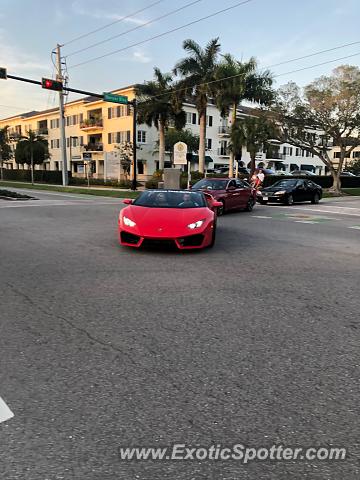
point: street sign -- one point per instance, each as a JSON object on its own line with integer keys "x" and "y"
{"x": 180, "y": 151}
{"x": 3, "y": 73}
{"x": 111, "y": 97}
{"x": 87, "y": 156}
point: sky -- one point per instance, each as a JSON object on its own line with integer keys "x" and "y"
{"x": 273, "y": 31}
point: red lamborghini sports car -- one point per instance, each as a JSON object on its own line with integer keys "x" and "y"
{"x": 178, "y": 218}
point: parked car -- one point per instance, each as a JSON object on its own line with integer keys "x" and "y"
{"x": 232, "y": 193}
{"x": 288, "y": 191}
{"x": 344, "y": 173}
{"x": 303, "y": 173}
{"x": 178, "y": 218}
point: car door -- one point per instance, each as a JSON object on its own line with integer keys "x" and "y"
{"x": 245, "y": 193}
{"x": 299, "y": 193}
{"x": 308, "y": 190}
{"x": 232, "y": 195}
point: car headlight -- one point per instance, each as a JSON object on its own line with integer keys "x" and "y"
{"x": 128, "y": 222}
{"x": 197, "y": 224}
{"x": 281, "y": 192}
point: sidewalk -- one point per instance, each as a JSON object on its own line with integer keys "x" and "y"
{"x": 92, "y": 187}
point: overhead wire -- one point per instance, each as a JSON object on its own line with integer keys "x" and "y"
{"x": 161, "y": 17}
{"x": 130, "y": 15}
{"x": 193, "y": 22}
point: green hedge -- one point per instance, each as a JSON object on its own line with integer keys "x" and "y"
{"x": 324, "y": 181}
{"x": 41, "y": 176}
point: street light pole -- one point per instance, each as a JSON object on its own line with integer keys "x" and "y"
{"x": 134, "y": 181}
{"x": 62, "y": 119}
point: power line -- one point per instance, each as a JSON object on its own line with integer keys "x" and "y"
{"x": 112, "y": 23}
{"x": 313, "y": 54}
{"x": 163, "y": 34}
{"x": 317, "y": 65}
{"x": 135, "y": 28}
{"x": 175, "y": 90}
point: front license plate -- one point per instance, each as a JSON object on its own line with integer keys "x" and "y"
{"x": 265, "y": 198}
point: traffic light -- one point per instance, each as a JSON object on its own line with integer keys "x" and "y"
{"x": 50, "y": 84}
{"x": 3, "y": 74}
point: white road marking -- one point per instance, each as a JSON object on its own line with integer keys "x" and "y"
{"x": 259, "y": 216}
{"x": 355, "y": 227}
{"x": 54, "y": 204}
{"x": 309, "y": 210}
{"x": 306, "y": 221}
{"x": 5, "y": 412}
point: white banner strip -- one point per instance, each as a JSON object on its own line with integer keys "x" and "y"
{"x": 5, "y": 412}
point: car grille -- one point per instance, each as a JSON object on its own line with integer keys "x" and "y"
{"x": 127, "y": 237}
{"x": 191, "y": 240}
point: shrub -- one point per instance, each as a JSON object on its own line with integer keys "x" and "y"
{"x": 41, "y": 176}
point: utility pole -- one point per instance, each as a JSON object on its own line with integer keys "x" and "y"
{"x": 59, "y": 77}
{"x": 134, "y": 182}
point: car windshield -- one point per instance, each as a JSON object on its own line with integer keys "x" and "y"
{"x": 170, "y": 199}
{"x": 211, "y": 184}
{"x": 284, "y": 183}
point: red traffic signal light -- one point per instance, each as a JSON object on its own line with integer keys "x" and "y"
{"x": 50, "y": 84}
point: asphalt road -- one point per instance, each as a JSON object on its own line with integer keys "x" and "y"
{"x": 253, "y": 342}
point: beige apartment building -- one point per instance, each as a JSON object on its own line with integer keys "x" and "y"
{"x": 92, "y": 127}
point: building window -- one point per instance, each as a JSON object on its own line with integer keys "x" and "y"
{"x": 55, "y": 143}
{"x": 191, "y": 118}
{"x": 356, "y": 154}
{"x": 140, "y": 166}
{"x": 298, "y": 152}
{"x": 119, "y": 111}
{"x": 287, "y": 151}
{"x": 208, "y": 143}
{"x": 209, "y": 120}
{"x": 55, "y": 123}
{"x": 119, "y": 137}
{"x": 141, "y": 136}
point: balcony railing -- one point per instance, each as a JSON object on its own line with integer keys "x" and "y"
{"x": 91, "y": 123}
{"x": 276, "y": 156}
{"x": 94, "y": 147}
{"x": 43, "y": 131}
{"x": 224, "y": 130}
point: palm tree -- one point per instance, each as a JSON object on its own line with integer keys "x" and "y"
{"x": 158, "y": 105}
{"x": 197, "y": 70}
{"x": 245, "y": 84}
{"x": 255, "y": 133}
{"x": 32, "y": 149}
{"x": 5, "y": 149}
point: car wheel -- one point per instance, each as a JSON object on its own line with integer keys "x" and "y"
{"x": 316, "y": 198}
{"x": 250, "y": 205}
{"x": 289, "y": 200}
{"x": 221, "y": 210}
{"x": 213, "y": 238}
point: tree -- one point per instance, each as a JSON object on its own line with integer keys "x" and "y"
{"x": 245, "y": 84}
{"x": 325, "y": 113}
{"x": 5, "y": 149}
{"x": 197, "y": 71}
{"x": 354, "y": 166}
{"x": 254, "y": 133}
{"x": 158, "y": 105}
{"x": 32, "y": 149}
{"x": 125, "y": 157}
{"x": 173, "y": 136}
